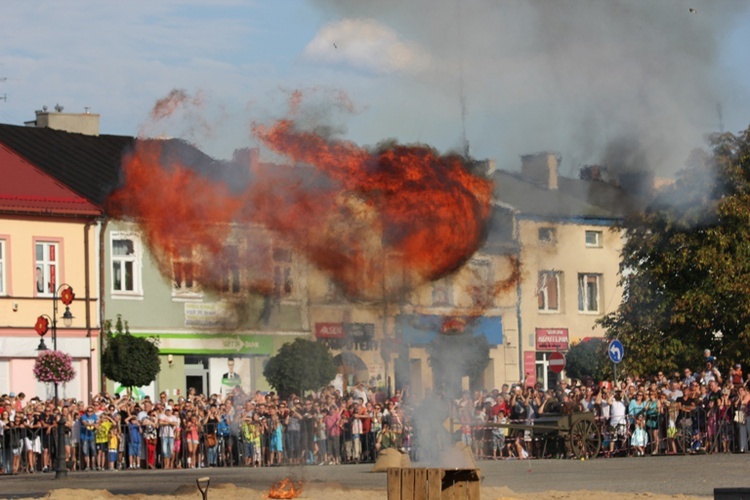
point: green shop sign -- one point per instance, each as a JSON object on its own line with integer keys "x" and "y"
{"x": 213, "y": 343}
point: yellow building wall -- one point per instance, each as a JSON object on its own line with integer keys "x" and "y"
{"x": 21, "y": 307}
{"x": 570, "y": 256}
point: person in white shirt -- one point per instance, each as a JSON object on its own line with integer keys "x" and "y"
{"x": 359, "y": 392}
{"x": 145, "y": 412}
{"x": 617, "y": 419}
{"x": 673, "y": 392}
{"x": 710, "y": 373}
{"x": 167, "y": 423}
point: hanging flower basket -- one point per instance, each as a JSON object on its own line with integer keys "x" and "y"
{"x": 54, "y": 366}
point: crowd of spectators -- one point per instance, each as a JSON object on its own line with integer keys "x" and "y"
{"x": 682, "y": 412}
{"x": 114, "y": 432}
{"x": 668, "y": 413}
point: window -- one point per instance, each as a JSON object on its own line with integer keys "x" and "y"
{"x": 126, "y": 265}
{"x": 396, "y": 281}
{"x": 230, "y": 270}
{"x": 282, "y": 272}
{"x": 547, "y": 234}
{"x": 594, "y": 239}
{"x": 442, "y": 292}
{"x": 549, "y": 291}
{"x": 481, "y": 288}
{"x": 184, "y": 271}
{"x": 3, "y": 259}
{"x": 334, "y": 294}
{"x": 588, "y": 292}
{"x": 46, "y": 268}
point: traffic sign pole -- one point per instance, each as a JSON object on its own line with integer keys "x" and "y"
{"x": 557, "y": 364}
{"x": 616, "y": 352}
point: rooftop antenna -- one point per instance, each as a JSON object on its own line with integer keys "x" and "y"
{"x": 461, "y": 93}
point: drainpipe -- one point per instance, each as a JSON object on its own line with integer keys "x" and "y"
{"x": 518, "y": 298}
{"x": 102, "y": 242}
{"x": 87, "y": 291}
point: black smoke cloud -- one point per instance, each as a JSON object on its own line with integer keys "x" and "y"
{"x": 573, "y": 76}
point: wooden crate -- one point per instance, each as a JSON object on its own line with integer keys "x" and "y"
{"x": 433, "y": 484}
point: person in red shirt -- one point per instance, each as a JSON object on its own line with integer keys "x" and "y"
{"x": 500, "y": 405}
{"x": 364, "y": 414}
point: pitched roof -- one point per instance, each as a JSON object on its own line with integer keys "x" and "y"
{"x": 89, "y": 165}
{"x": 28, "y": 190}
{"x": 574, "y": 198}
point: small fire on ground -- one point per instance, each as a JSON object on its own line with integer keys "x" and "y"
{"x": 286, "y": 488}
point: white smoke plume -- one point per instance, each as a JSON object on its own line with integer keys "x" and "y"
{"x": 367, "y": 45}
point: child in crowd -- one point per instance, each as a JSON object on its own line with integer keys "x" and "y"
{"x": 277, "y": 440}
{"x": 251, "y": 435}
{"x": 134, "y": 446}
{"x": 150, "y": 435}
{"x": 193, "y": 438}
{"x": 498, "y": 435}
{"x": 639, "y": 439}
{"x": 321, "y": 440}
{"x": 114, "y": 446}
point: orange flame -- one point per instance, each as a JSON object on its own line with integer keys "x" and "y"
{"x": 286, "y": 488}
{"x": 380, "y": 222}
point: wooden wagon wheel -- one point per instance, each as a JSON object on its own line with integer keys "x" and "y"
{"x": 585, "y": 439}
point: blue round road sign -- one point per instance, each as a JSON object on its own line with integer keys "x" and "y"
{"x": 616, "y": 351}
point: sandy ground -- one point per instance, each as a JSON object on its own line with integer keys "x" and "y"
{"x": 337, "y": 492}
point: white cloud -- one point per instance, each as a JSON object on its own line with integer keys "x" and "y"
{"x": 366, "y": 45}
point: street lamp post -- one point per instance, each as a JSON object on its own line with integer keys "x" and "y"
{"x": 65, "y": 294}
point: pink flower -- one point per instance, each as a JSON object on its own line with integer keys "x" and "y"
{"x": 54, "y": 366}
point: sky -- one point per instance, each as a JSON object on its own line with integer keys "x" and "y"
{"x": 627, "y": 83}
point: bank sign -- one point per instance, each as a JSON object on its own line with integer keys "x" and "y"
{"x": 552, "y": 339}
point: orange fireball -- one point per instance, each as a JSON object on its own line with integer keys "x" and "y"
{"x": 379, "y": 221}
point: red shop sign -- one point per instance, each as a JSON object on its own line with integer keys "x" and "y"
{"x": 551, "y": 339}
{"x": 329, "y": 330}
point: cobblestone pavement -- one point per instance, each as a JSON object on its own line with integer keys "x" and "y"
{"x": 689, "y": 475}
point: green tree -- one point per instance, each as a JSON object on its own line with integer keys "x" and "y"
{"x": 685, "y": 267}
{"x": 587, "y": 358}
{"x": 299, "y": 366}
{"x": 128, "y": 360}
{"x": 452, "y": 357}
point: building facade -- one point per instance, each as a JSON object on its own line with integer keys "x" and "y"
{"x": 546, "y": 272}
{"x": 48, "y": 242}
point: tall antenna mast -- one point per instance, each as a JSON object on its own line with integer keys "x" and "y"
{"x": 461, "y": 92}
{"x": 720, "y": 114}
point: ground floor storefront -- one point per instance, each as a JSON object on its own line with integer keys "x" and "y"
{"x": 18, "y": 351}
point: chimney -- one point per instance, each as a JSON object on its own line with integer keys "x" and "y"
{"x": 78, "y": 123}
{"x": 590, "y": 173}
{"x": 485, "y": 168}
{"x": 247, "y": 156}
{"x": 541, "y": 168}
